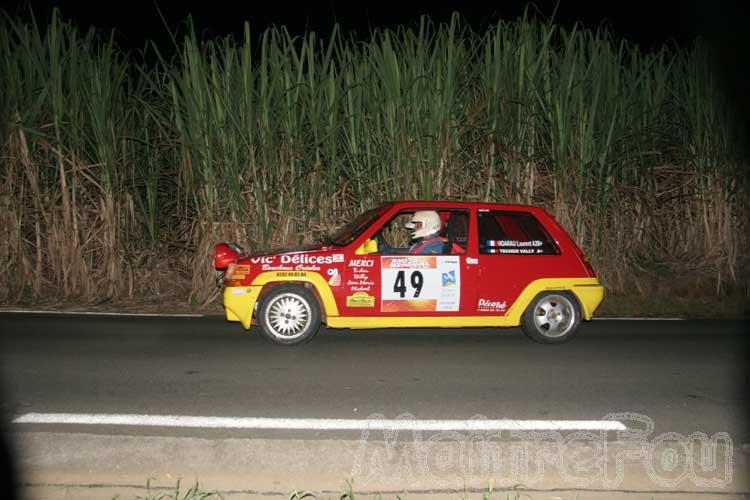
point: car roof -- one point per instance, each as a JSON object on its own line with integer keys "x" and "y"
{"x": 461, "y": 204}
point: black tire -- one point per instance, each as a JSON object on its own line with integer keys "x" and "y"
{"x": 552, "y": 317}
{"x": 289, "y": 315}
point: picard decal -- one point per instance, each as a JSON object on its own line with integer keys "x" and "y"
{"x": 491, "y": 305}
{"x": 360, "y": 299}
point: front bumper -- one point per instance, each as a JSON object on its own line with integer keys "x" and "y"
{"x": 239, "y": 302}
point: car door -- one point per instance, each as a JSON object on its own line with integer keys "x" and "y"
{"x": 422, "y": 285}
{"x": 514, "y": 250}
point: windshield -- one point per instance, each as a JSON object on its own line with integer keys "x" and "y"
{"x": 351, "y": 231}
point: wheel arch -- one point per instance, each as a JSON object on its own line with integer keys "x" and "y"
{"x": 312, "y": 281}
{"x": 587, "y": 291}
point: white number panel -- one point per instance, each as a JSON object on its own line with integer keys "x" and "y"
{"x": 420, "y": 283}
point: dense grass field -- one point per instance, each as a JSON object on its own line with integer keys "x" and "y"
{"x": 119, "y": 172}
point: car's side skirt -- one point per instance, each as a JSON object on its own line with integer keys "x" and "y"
{"x": 417, "y": 322}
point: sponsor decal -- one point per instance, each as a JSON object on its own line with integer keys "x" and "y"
{"x": 413, "y": 305}
{"x": 239, "y": 272}
{"x": 303, "y": 258}
{"x": 491, "y": 305}
{"x": 420, "y": 283}
{"x": 335, "y": 277}
{"x": 359, "y": 277}
{"x": 298, "y": 259}
{"x": 269, "y": 267}
{"x": 298, "y": 267}
{"x": 361, "y": 263}
{"x": 262, "y": 260}
{"x": 293, "y": 274}
{"x": 416, "y": 262}
{"x": 449, "y": 278}
{"x": 303, "y": 267}
{"x": 360, "y": 299}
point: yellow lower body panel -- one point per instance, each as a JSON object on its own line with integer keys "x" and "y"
{"x": 417, "y": 322}
{"x": 239, "y": 302}
{"x": 589, "y": 292}
{"x": 590, "y": 297}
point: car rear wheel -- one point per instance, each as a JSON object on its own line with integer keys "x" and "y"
{"x": 552, "y": 317}
{"x": 289, "y": 315}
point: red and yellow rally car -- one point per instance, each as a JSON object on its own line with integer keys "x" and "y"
{"x": 419, "y": 264}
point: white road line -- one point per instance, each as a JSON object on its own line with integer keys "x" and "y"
{"x": 95, "y": 313}
{"x": 328, "y": 424}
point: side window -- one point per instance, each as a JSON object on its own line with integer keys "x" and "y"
{"x": 452, "y": 237}
{"x": 394, "y": 234}
{"x": 513, "y": 233}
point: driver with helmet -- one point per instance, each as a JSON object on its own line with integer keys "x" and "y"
{"x": 425, "y": 226}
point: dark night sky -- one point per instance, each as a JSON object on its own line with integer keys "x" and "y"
{"x": 649, "y": 23}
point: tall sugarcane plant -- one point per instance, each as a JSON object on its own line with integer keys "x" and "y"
{"x": 110, "y": 162}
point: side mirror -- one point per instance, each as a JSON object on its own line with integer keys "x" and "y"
{"x": 369, "y": 246}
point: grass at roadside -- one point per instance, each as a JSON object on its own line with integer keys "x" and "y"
{"x": 196, "y": 492}
{"x": 665, "y": 305}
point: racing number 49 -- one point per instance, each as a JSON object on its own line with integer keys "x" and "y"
{"x": 416, "y": 280}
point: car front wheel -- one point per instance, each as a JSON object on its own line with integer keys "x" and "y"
{"x": 552, "y": 317}
{"x": 289, "y": 315}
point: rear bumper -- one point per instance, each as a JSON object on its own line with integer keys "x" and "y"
{"x": 239, "y": 302}
{"x": 590, "y": 296}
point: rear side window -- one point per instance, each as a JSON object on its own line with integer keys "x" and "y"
{"x": 513, "y": 233}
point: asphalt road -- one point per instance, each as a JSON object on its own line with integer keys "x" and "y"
{"x": 686, "y": 376}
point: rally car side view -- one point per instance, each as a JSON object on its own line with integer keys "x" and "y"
{"x": 418, "y": 264}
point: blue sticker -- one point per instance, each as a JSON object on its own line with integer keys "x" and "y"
{"x": 449, "y": 278}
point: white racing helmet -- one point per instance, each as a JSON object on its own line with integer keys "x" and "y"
{"x": 424, "y": 223}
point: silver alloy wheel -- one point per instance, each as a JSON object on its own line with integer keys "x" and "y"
{"x": 288, "y": 316}
{"x": 554, "y": 316}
